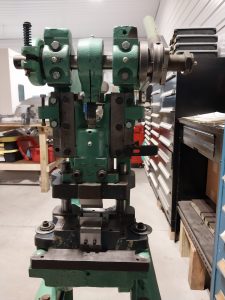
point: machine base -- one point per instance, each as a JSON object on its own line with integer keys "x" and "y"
{"x": 141, "y": 285}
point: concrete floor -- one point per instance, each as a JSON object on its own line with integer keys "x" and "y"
{"x": 22, "y": 208}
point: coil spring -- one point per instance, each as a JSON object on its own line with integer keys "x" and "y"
{"x": 27, "y": 33}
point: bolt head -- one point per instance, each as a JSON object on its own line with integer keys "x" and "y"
{"x": 102, "y": 174}
{"x": 45, "y": 223}
{"x": 77, "y": 173}
{"x": 125, "y": 59}
{"x": 54, "y": 124}
{"x": 124, "y": 76}
{"x": 141, "y": 226}
{"x": 53, "y": 100}
{"x": 55, "y": 45}
{"x": 126, "y": 45}
{"x": 56, "y": 75}
{"x": 54, "y": 59}
{"x": 89, "y": 143}
{"x": 128, "y": 125}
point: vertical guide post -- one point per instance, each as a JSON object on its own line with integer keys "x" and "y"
{"x": 43, "y": 123}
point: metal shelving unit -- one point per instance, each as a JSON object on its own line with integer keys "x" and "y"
{"x": 159, "y": 131}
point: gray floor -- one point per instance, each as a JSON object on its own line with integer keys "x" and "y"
{"x": 22, "y": 208}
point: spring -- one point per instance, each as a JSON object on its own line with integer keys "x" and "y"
{"x": 27, "y": 33}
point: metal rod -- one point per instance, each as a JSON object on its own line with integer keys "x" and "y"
{"x": 107, "y": 62}
{"x": 121, "y": 206}
{"x": 66, "y": 206}
{"x": 181, "y": 62}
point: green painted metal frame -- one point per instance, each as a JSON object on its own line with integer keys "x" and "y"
{"x": 141, "y": 285}
{"x": 90, "y": 60}
{"x": 42, "y": 60}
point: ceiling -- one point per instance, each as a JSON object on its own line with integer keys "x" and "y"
{"x": 82, "y": 17}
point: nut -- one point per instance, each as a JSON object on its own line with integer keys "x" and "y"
{"x": 45, "y": 224}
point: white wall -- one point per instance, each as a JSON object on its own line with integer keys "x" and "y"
{"x": 190, "y": 13}
{"x": 10, "y": 79}
{"x": 6, "y": 103}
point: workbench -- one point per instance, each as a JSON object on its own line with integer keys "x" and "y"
{"x": 43, "y": 167}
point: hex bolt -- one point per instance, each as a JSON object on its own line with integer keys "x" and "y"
{"x": 56, "y": 75}
{"x": 124, "y": 75}
{"x": 55, "y": 45}
{"x": 53, "y": 100}
{"x": 89, "y": 143}
{"x": 102, "y": 174}
{"x": 77, "y": 173}
{"x": 128, "y": 125}
{"x": 125, "y": 59}
{"x": 45, "y": 223}
{"x": 54, "y": 59}
{"x": 126, "y": 45}
{"x": 54, "y": 124}
{"x": 141, "y": 227}
{"x": 45, "y": 297}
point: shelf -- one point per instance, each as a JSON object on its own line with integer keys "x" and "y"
{"x": 20, "y": 165}
{"x": 199, "y": 233}
{"x": 25, "y": 165}
{"x": 43, "y": 167}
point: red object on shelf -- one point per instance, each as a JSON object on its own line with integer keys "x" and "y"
{"x": 139, "y": 135}
{"x": 24, "y": 144}
{"x": 35, "y": 154}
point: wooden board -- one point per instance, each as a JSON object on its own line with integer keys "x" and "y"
{"x": 205, "y": 212}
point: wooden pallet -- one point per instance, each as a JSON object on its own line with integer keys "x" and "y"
{"x": 197, "y": 272}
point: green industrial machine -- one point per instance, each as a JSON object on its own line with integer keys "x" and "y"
{"x": 85, "y": 244}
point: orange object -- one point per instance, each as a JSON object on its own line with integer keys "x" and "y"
{"x": 24, "y": 144}
{"x": 139, "y": 133}
{"x": 35, "y": 154}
